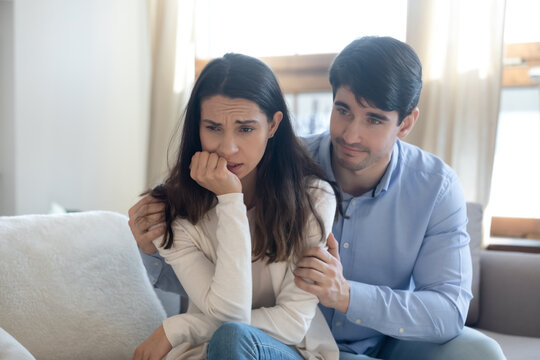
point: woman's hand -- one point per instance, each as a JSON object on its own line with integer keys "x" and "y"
{"x": 210, "y": 171}
{"x": 155, "y": 347}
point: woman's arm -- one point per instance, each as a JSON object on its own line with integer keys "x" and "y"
{"x": 221, "y": 290}
{"x": 289, "y": 320}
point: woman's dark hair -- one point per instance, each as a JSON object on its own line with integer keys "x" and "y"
{"x": 382, "y": 71}
{"x": 282, "y": 204}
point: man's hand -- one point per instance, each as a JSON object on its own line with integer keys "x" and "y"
{"x": 146, "y": 221}
{"x": 210, "y": 171}
{"x": 324, "y": 274}
{"x": 155, "y": 347}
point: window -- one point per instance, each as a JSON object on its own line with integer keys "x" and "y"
{"x": 515, "y": 194}
{"x": 285, "y": 34}
{"x": 284, "y": 27}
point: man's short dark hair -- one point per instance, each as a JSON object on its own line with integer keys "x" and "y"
{"x": 382, "y": 71}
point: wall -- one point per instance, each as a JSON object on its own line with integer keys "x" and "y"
{"x": 7, "y": 161}
{"x": 81, "y": 104}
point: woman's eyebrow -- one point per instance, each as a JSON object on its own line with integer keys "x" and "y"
{"x": 246, "y": 122}
{"x": 210, "y": 122}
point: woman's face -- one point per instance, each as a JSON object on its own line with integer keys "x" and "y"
{"x": 237, "y": 130}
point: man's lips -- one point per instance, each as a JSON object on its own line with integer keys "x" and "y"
{"x": 351, "y": 150}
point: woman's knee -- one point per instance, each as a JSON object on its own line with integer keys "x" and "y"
{"x": 230, "y": 338}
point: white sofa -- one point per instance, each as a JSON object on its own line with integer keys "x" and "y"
{"x": 73, "y": 286}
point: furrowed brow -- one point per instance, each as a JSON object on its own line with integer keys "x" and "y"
{"x": 246, "y": 122}
{"x": 210, "y": 122}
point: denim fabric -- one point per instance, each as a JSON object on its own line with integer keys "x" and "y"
{"x": 240, "y": 341}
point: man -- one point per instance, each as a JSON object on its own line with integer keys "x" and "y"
{"x": 395, "y": 282}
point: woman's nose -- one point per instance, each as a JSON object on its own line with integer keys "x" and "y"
{"x": 228, "y": 145}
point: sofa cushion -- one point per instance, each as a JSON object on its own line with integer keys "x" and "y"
{"x": 73, "y": 286}
{"x": 510, "y": 290}
{"x": 11, "y": 349}
{"x": 474, "y": 228}
{"x": 516, "y": 347}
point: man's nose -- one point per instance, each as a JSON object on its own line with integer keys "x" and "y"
{"x": 352, "y": 133}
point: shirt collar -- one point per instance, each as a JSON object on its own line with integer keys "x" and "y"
{"x": 384, "y": 182}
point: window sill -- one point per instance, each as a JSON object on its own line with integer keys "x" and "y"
{"x": 514, "y": 244}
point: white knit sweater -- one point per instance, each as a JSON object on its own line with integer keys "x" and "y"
{"x": 213, "y": 262}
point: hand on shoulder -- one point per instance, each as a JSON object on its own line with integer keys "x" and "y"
{"x": 146, "y": 221}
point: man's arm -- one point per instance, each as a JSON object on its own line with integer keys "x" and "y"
{"x": 436, "y": 309}
{"x": 146, "y": 221}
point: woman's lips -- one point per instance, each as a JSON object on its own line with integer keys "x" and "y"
{"x": 234, "y": 168}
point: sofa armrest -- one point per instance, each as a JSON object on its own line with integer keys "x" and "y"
{"x": 510, "y": 293}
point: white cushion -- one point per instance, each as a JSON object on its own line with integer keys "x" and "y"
{"x": 73, "y": 286}
{"x": 11, "y": 349}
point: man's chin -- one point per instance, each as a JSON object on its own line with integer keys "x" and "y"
{"x": 353, "y": 165}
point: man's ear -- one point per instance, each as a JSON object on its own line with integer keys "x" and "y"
{"x": 408, "y": 123}
{"x": 274, "y": 124}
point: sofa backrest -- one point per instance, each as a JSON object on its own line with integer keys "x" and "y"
{"x": 475, "y": 215}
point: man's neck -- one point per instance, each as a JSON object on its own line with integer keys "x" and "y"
{"x": 359, "y": 182}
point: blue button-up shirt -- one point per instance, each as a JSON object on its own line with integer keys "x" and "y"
{"x": 404, "y": 250}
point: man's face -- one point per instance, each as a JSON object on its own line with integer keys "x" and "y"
{"x": 362, "y": 136}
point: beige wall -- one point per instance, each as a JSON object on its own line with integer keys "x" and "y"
{"x": 81, "y": 104}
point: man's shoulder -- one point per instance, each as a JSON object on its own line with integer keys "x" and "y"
{"x": 313, "y": 142}
{"x": 417, "y": 160}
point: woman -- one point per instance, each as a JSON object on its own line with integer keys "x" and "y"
{"x": 243, "y": 200}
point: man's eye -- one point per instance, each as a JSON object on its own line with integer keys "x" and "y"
{"x": 342, "y": 111}
{"x": 246, "y": 129}
{"x": 375, "y": 121}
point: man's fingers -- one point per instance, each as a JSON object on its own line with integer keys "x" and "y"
{"x": 306, "y": 286}
{"x": 333, "y": 246}
{"x": 135, "y": 208}
{"x": 310, "y": 274}
{"x": 319, "y": 253}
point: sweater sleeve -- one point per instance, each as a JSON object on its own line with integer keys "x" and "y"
{"x": 221, "y": 290}
{"x": 290, "y": 318}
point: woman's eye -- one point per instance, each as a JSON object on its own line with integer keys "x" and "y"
{"x": 212, "y": 128}
{"x": 246, "y": 129}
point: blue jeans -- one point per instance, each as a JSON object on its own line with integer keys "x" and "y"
{"x": 240, "y": 341}
{"x": 469, "y": 345}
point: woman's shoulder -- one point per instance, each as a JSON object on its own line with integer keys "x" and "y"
{"x": 319, "y": 188}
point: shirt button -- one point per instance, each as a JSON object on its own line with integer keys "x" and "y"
{"x": 346, "y": 245}
{"x": 156, "y": 263}
{"x": 338, "y": 323}
{"x": 401, "y": 330}
{"x": 358, "y": 321}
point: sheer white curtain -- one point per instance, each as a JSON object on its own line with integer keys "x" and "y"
{"x": 171, "y": 24}
{"x": 460, "y": 44}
